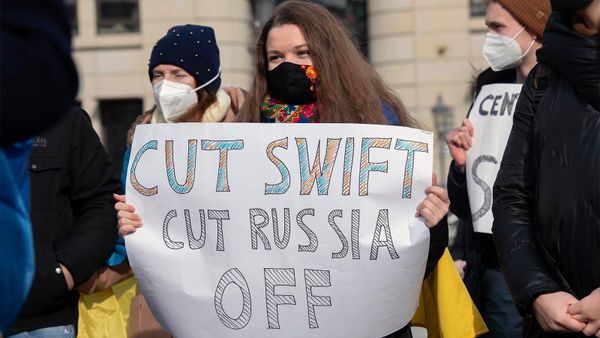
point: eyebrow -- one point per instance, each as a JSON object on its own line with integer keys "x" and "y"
{"x": 495, "y": 23}
{"x": 296, "y": 48}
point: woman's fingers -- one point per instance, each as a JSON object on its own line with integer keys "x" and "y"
{"x": 466, "y": 138}
{"x": 128, "y": 220}
{"x": 122, "y": 214}
{"x": 122, "y": 206}
{"x": 434, "y": 207}
{"x": 469, "y": 126}
{"x": 428, "y": 210}
{"x": 127, "y": 225}
{"x": 460, "y": 137}
{"x": 441, "y": 193}
{"x": 126, "y": 230}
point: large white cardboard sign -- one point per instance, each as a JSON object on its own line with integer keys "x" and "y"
{"x": 279, "y": 230}
{"x": 492, "y": 118}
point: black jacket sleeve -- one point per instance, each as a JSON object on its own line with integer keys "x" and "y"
{"x": 38, "y": 76}
{"x": 524, "y": 270}
{"x": 458, "y": 194}
{"x": 93, "y": 181}
{"x": 438, "y": 241}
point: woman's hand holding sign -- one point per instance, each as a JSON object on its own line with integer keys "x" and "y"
{"x": 435, "y": 205}
{"x": 460, "y": 140}
{"x": 129, "y": 221}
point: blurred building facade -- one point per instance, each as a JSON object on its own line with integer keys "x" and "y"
{"x": 426, "y": 50}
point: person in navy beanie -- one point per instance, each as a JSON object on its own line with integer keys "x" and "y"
{"x": 185, "y": 73}
{"x": 192, "y": 48}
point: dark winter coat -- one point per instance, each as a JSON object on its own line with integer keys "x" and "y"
{"x": 73, "y": 218}
{"x": 547, "y": 193}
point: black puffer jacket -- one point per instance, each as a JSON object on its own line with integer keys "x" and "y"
{"x": 547, "y": 193}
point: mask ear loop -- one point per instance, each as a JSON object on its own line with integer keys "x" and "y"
{"x": 518, "y": 33}
{"x": 530, "y": 45}
{"x": 528, "y": 49}
{"x": 207, "y": 83}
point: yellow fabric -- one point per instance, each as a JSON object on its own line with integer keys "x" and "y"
{"x": 105, "y": 314}
{"x": 445, "y": 308}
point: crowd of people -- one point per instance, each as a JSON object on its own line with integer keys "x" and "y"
{"x": 537, "y": 275}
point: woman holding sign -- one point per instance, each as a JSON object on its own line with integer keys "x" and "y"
{"x": 308, "y": 69}
{"x": 185, "y": 72}
{"x": 306, "y": 61}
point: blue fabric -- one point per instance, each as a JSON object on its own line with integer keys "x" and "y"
{"x": 126, "y": 157}
{"x": 63, "y": 331}
{"x": 120, "y": 252}
{"x": 17, "y": 265}
{"x": 389, "y": 114}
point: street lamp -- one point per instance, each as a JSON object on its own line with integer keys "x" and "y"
{"x": 443, "y": 119}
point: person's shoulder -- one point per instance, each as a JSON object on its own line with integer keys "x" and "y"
{"x": 237, "y": 96}
{"x": 80, "y": 114}
{"x": 69, "y": 121}
{"x": 489, "y": 76}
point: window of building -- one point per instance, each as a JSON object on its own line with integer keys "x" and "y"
{"x": 477, "y": 7}
{"x": 71, "y": 6}
{"x": 116, "y": 116}
{"x": 117, "y": 16}
{"x": 353, "y": 14}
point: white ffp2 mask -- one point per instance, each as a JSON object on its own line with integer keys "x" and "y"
{"x": 174, "y": 99}
{"x": 503, "y": 52}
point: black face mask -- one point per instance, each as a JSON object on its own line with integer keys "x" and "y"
{"x": 291, "y": 84}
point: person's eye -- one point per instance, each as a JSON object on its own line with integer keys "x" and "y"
{"x": 273, "y": 58}
{"x": 303, "y": 52}
{"x": 495, "y": 27}
{"x": 156, "y": 76}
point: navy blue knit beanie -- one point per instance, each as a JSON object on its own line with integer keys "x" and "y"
{"x": 193, "y": 48}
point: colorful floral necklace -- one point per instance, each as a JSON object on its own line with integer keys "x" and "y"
{"x": 276, "y": 111}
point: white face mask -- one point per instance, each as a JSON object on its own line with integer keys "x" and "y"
{"x": 174, "y": 99}
{"x": 503, "y": 52}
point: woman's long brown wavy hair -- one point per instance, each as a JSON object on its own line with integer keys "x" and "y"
{"x": 350, "y": 91}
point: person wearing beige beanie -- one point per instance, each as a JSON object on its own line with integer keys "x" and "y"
{"x": 512, "y": 24}
{"x": 515, "y": 33}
